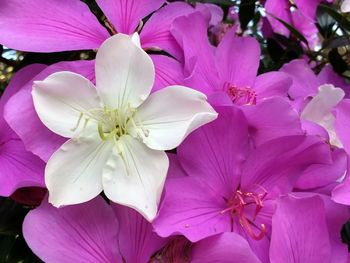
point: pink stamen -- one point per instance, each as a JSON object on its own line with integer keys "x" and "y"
{"x": 236, "y": 205}
{"x": 240, "y": 95}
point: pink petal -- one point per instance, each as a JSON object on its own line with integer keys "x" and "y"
{"x": 223, "y": 248}
{"x": 156, "y": 31}
{"x": 319, "y": 175}
{"x": 272, "y": 118}
{"x": 280, "y": 9}
{"x": 272, "y": 84}
{"x": 49, "y": 25}
{"x": 276, "y": 164}
{"x": 191, "y": 33}
{"x": 125, "y": 15}
{"x": 35, "y": 136}
{"x": 305, "y": 82}
{"x": 168, "y": 72}
{"x": 216, "y": 12}
{"x": 308, "y": 7}
{"x": 299, "y": 231}
{"x": 137, "y": 240}
{"x": 198, "y": 216}
{"x": 80, "y": 233}
{"x": 18, "y": 81}
{"x": 216, "y": 155}
{"x": 237, "y": 60}
{"x": 18, "y": 167}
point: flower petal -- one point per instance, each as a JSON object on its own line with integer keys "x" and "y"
{"x": 272, "y": 84}
{"x": 35, "y": 136}
{"x": 82, "y": 233}
{"x": 345, "y": 6}
{"x": 62, "y": 100}
{"x": 277, "y": 164}
{"x": 223, "y": 248}
{"x": 73, "y": 174}
{"x": 19, "y": 168}
{"x": 170, "y": 114}
{"x": 137, "y": 239}
{"x": 216, "y": 151}
{"x": 327, "y": 75}
{"x": 168, "y": 72}
{"x": 281, "y": 10}
{"x": 299, "y": 231}
{"x": 125, "y": 15}
{"x": 308, "y": 7}
{"x": 230, "y": 52}
{"x": 271, "y": 119}
{"x": 20, "y": 79}
{"x": 342, "y": 123}
{"x": 124, "y": 73}
{"x": 319, "y": 110}
{"x": 191, "y": 34}
{"x": 156, "y": 31}
{"x": 49, "y": 25}
{"x": 198, "y": 216}
{"x": 136, "y": 176}
{"x": 305, "y": 82}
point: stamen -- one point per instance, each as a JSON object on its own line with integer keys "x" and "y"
{"x": 78, "y": 123}
{"x": 240, "y": 95}
{"x": 236, "y": 207}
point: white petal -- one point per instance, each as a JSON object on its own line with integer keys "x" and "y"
{"x": 73, "y": 174}
{"x": 60, "y": 99}
{"x": 135, "y": 178}
{"x": 124, "y": 72}
{"x": 319, "y": 109}
{"x": 345, "y": 6}
{"x": 170, "y": 114}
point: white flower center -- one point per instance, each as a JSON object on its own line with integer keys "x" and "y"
{"x": 113, "y": 123}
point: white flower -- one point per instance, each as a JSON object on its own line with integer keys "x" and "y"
{"x": 319, "y": 110}
{"x": 118, "y": 130}
{"x": 345, "y": 6}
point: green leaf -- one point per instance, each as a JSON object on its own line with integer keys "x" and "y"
{"x": 292, "y": 29}
{"x": 337, "y": 62}
{"x": 14, "y": 249}
{"x": 342, "y": 21}
{"x": 12, "y": 216}
{"x": 246, "y": 12}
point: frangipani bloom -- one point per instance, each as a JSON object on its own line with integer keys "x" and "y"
{"x": 98, "y": 232}
{"x": 117, "y": 131}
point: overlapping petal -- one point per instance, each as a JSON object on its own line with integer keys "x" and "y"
{"x": 73, "y": 173}
{"x": 83, "y": 233}
{"x": 124, "y": 73}
{"x": 49, "y": 26}
{"x": 170, "y": 114}
{"x": 135, "y": 176}
{"x": 64, "y": 102}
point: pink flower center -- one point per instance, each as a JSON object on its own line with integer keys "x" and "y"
{"x": 236, "y": 207}
{"x": 240, "y": 95}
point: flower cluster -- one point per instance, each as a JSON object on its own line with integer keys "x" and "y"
{"x": 171, "y": 144}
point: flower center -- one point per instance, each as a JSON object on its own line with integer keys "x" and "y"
{"x": 240, "y": 95}
{"x": 113, "y": 123}
{"x": 236, "y": 207}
